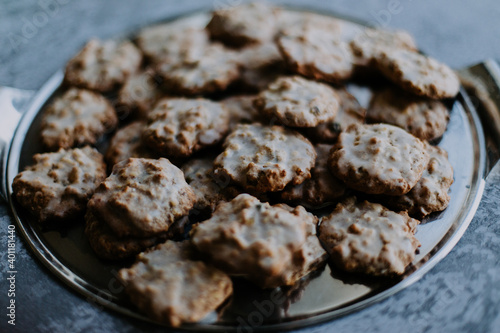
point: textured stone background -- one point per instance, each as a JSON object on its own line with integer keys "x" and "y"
{"x": 461, "y": 294}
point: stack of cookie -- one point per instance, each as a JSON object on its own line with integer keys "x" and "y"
{"x": 232, "y": 117}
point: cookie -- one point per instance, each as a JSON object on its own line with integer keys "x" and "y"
{"x": 246, "y": 24}
{"x": 58, "y": 185}
{"x": 138, "y": 95}
{"x": 241, "y": 110}
{"x": 315, "y": 48}
{"x": 368, "y": 45}
{"x": 208, "y": 189}
{"x": 419, "y": 74}
{"x": 350, "y": 112}
{"x": 167, "y": 285}
{"x": 103, "y": 65}
{"x": 265, "y": 158}
{"x": 378, "y": 159}
{"x": 269, "y": 245}
{"x": 321, "y": 188}
{"x": 127, "y": 143}
{"x": 368, "y": 238}
{"x": 297, "y": 102}
{"x": 77, "y": 118}
{"x": 178, "y": 127}
{"x": 142, "y": 197}
{"x": 431, "y": 192}
{"x": 202, "y": 70}
{"x": 426, "y": 119}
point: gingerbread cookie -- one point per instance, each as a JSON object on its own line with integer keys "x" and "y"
{"x": 58, "y": 185}
{"x": 378, "y": 159}
{"x": 77, "y": 118}
{"x": 265, "y": 158}
{"x": 241, "y": 110}
{"x": 368, "y": 238}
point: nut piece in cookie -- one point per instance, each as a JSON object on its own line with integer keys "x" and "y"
{"x": 77, "y": 118}
{"x": 58, "y": 185}
{"x": 431, "y": 192}
{"x": 368, "y": 238}
{"x": 419, "y": 74}
{"x": 321, "y": 188}
{"x": 426, "y": 119}
{"x": 350, "y": 112}
{"x": 314, "y": 47}
{"x": 297, "y": 102}
{"x": 103, "y": 65}
{"x": 269, "y": 245}
{"x": 368, "y": 44}
{"x": 378, "y": 159}
{"x": 241, "y": 110}
{"x": 142, "y": 197}
{"x": 138, "y": 95}
{"x": 169, "y": 286}
{"x": 265, "y": 158}
{"x": 178, "y": 127}
{"x": 126, "y": 143}
{"x": 245, "y": 24}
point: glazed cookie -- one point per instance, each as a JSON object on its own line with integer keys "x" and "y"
{"x": 103, "y": 65}
{"x": 178, "y": 126}
{"x": 77, "y": 118}
{"x": 368, "y": 45}
{"x": 378, "y": 159}
{"x": 426, "y": 119}
{"x": 321, "y": 188}
{"x": 265, "y": 158}
{"x": 208, "y": 189}
{"x": 297, "y": 102}
{"x": 58, "y": 185}
{"x": 166, "y": 284}
{"x": 431, "y": 192}
{"x": 245, "y": 24}
{"x": 350, "y": 112}
{"x": 368, "y": 238}
{"x": 206, "y": 69}
{"x": 241, "y": 110}
{"x": 419, "y": 74}
{"x": 127, "y": 143}
{"x": 316, "y": 49}
{"x": 142, "y": 197}
{"x": 139, "y": 94}
{"x": 269, "y": 245}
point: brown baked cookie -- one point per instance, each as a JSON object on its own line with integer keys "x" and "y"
{"x": 368, "y": 45}
{"x": 109, "y": 246}
{"x": 245, "y": 24}
{"x": 378, "y": 159}
{"x": 426, "y": 119}
{"x": 269, "y": 245}
{"x": 368, "y": 238}
{"x": 350, "y": 112}
{"x": 297, "y": 102}
{"x": 77, "y": 118}
{"x": 314, "y": 47}
{"x": 127, "y": 143}
{"x": 431, "y": 192}
{"x": 205, "y": 69}
{"x": 142, "y": 197}
{"x": 419, "y": 74}
{"x": 167, "y": 285}
{"x": 138, "y": 95}
{"x": 265, "y": 158}
{"x": 241, "y": 110}
{"x": 58, "y": 185}
{"x": 103, "y": 65}
{"x": 322, "y": 188}
{"x": 178, "y": 126}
